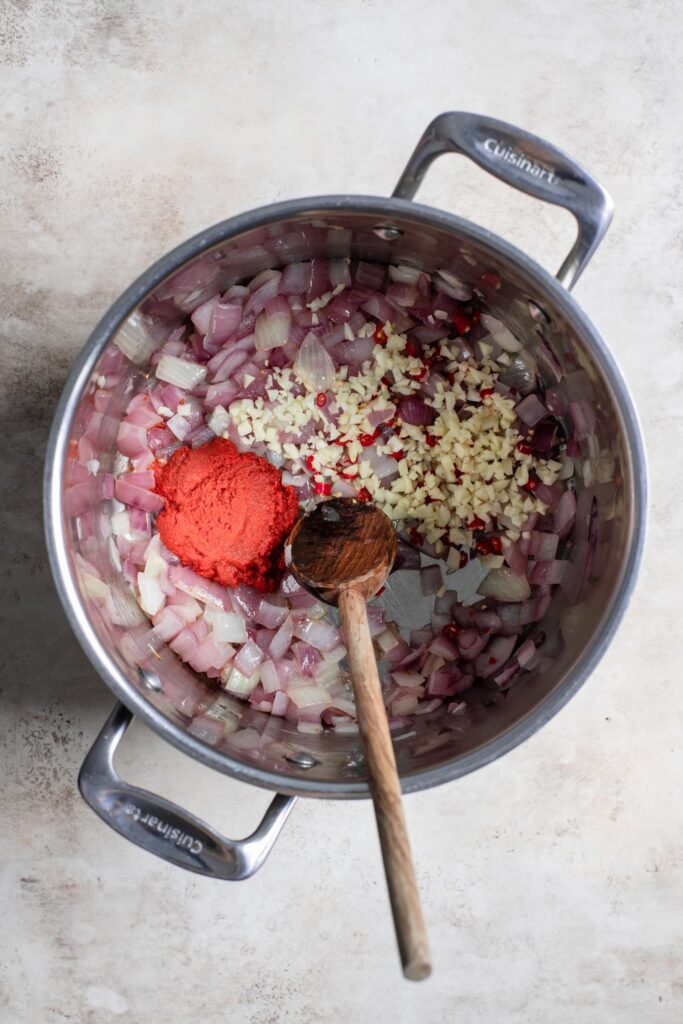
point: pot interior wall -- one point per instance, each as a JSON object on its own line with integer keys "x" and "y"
{"x": 597, "y": 551}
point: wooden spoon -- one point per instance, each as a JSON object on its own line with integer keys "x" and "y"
{"x": 342, "y": 552}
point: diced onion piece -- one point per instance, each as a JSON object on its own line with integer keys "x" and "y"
{"x": 219, "y": 420}
{"x": 320, "y": 635}
{"x": 270, "y": 680}
{"x": 180, "y": 426}
{"x": 180, "y": 372}
{"x": 307, "y": 696}
{"x": 314, "y": 366}
{"x": 387, "y": 640}
{"x": 236, "y": 682}
{"x": 547, "y": 571}
{"x": 430, "y": 579}
{"x": 452, "y": 285}
{"x": 229, "y": 627}
{"x": 272, "y": 325}
{"x": 152, "y": 597}
{"x": 530, "y": 410}
{"x": 280, "y": 643}
{"x": 197, "y": 586}
{"x": 416, "y": 412}
{"x": 403, "y": 677}
{"x": 505, "y": 585}
{"x": 248, "y": 658}
{"x": 500, "y": 333}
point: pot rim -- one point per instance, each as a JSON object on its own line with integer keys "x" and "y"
{"x": 104, "y": 664}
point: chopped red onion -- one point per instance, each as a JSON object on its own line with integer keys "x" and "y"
{"x": 416, "y": 412}
{"x": 127, "y": 491}
{"x": 370, "y": 275}
{"x": 564, "y": 514}
{"x": 320, "y": 635}
{"x": 197, "y": 586}
{"x": 354, "y": 353}
{"x": 132, "y": 439}
{"x": 307, "y": 658}
{"x": 247, "y": 600}
{"x": 248, "y": 658}
{"x": 314, "y": 367}
{"x": 505, "y": 585}
{"x": 270, "y": 613}
{"x": 547, "y": 572}
{"x": 530, "y": 410}
{"x": 375, "y": 619}
{"x": 407, "y": 557}
{"x": 256, "y": 302}
{"x": 515, "y": 558}
{"x": 430, "y": 579}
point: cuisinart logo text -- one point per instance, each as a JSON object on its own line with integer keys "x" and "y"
{"x": 519, "y": 159}
{"x": 164, "y": 829}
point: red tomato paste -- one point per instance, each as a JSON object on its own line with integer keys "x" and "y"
{"x": 227, "y": 514}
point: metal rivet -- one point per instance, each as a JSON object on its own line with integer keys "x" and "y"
{"x": 537, "y": 313}
{"x": 388, "y": 233}
{"x": 150, "y": 680}
{"x": 301, "y": 760}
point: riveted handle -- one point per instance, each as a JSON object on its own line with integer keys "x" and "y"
{"x": 526, "y": 162}
{"x": 163, "y": 828}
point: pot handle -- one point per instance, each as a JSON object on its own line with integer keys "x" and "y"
{"x": 162, "y": 827}
{"x": 525, "y": 162}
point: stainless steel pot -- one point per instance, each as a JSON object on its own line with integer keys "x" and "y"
{"x": 610, "y": 484}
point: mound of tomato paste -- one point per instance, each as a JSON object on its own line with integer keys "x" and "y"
{"x": 227, "y": 514}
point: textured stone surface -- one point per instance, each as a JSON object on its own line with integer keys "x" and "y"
{"x": 551, "y": 879}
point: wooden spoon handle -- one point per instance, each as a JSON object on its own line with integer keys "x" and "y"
{"x": 386, "y": 789}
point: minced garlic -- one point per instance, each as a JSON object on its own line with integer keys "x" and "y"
{"x": 466, "y": 465}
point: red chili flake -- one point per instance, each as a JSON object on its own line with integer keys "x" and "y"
{"x": 309, "y": 464}
{"x": 321, "y": 400}
{"x": 366, "y": 439}
{"x": 418, "y": 374}
{"x": 347, "y": 476}
{"x": 530, "y": 485}
{"x": 431, "y": 440}
{"x": 340, "y": 441}
{"x": 391, "y": 422}
{"x": 496, "y": 545}
{"x": 482, "y": 547}
{"x": 492, "y": 661}
{"x": 411, "y": 348}
{"x": 364, "y": 494}
{"x": 463, "y": 560}
{"x": 461, "y": 322}
{"x": 524, "y": 448}
{"x": 396, "y": 455}
{"x": 451, "y": 631}
{"x": 476, "y": 524}
{"x": 380, "y": 336}
{"x": 485, "y": 393}
{"x": 415, "y": 537}
{"x": 490, "y": 279}
{"x": 324, "y": 489}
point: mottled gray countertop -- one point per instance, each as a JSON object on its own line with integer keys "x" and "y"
{"x": 552, "y": 878}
